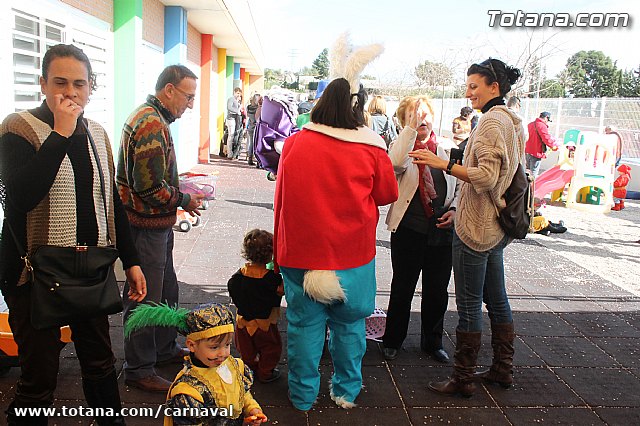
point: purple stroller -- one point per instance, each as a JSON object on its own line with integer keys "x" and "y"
{"x": 275, "y": 124}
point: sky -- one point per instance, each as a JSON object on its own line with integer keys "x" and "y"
{"x": 294, "y": 32}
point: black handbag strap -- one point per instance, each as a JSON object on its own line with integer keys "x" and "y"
{"x": 21, "y": 251}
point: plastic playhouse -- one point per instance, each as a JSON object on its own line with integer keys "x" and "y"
{"x": 196, "y": 183}
{"x": 591, "y": 187}
{"x": 586, "y": 163}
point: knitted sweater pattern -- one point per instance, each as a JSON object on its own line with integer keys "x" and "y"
{"x": 53, "y": 220}
{"x": 147, "y": 174}
{"x": 492, "y": 155}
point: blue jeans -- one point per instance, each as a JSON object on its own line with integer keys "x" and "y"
{"x": 306, "y": 333}
{"x": 480, "y": 276}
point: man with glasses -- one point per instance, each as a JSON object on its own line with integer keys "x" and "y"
{"x": 147, "y": 179}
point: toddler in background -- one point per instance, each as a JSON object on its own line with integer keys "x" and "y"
{"x": 257, "y": 292}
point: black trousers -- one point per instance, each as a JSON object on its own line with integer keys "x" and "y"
{"x": 39, "y": 351}
{"x": 411, "y": 255}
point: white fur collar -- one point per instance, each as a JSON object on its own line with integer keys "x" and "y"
{"x": 362, "y": 134}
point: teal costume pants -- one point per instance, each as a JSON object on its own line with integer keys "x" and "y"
{"x": 306, "y": 333}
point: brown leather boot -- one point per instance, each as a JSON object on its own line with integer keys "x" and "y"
{"x": 464, "y": 365}
{"x": 501, "y": 371}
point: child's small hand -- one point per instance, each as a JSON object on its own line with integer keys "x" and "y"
{"x": 255, "y": 418}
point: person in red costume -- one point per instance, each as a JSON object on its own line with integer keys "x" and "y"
{"x": 620, "y": 187}
{"x": 332, "y": 177}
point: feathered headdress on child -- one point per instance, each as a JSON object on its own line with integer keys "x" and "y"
{"x": 348, "y": 62}
{"x": 208, "y": 320}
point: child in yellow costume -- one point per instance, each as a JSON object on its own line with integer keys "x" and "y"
{"x": 213, "y": 388}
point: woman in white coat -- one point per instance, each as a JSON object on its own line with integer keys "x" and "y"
{"x": 421, "y": 224}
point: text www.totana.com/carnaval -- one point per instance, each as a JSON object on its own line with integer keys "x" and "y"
{"x": 158, "y": 412}
{"x": 499, "y": 18}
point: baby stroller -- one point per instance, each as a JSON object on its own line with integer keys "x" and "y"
{"x": 195, "y": 183}
{"x": 276, "y": 123}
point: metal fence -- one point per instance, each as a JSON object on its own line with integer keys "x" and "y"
{"x": 584, "y": 114}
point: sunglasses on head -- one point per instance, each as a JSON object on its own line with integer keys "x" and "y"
{"x": 490, "y": 68}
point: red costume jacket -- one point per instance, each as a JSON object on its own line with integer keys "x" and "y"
{"x": 327, "y": 197}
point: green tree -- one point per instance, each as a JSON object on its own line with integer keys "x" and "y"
{"x": 534, "y": 76}
{"x": 273, "y": 77}
{"x": 630, "y": 84}
{"x": 433, "y": 74}
{"x": 592, "y": 74}
{"x": 321, "y": 64}
{"x": 307, "y": 71}
{"x": 551, "y": 88}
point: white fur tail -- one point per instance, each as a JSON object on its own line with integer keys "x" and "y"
{"x": 323, "y": 287}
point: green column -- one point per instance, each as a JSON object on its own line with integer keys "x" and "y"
{"x": 127, "y": 23}
{"x": 229, "y": 77}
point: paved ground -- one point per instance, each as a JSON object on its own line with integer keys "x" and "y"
{"x": 576, "y": 305}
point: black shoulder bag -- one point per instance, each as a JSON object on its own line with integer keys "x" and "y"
{"x": 516, "y": 218}
{"x": 72, "y": 283}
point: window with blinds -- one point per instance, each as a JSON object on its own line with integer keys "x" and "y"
{"x": 34, "y": 33}
{"x": 31, "y": 37}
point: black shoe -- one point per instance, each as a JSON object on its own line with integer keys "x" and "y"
{"x": 544, "y": 231}
{"x": 556, "y": 228}
{"x": 390, "y": 353}
{"x": 440, "y": 355}
{"x": 251, "y": 163}
{"x": 275, "y": 375}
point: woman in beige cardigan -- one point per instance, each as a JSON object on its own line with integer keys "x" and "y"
{"x": 491, "y": 157}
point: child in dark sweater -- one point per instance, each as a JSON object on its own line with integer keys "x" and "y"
{"x": 257, "y": 292}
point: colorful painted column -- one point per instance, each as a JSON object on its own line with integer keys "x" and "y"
{"x": 245, "y": 83}
{"x": 175, "y": 35}
{"x": 127, "y": 37}
{"x": 221, "y": 93}
{"x": 236, "y": 76}
{"x": 206, "y": 61}
{"x": 242, "y": 86}
{"x": 175, "y": 47}
{"x": 229, "y": 72}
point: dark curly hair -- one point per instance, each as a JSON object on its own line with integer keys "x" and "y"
{"x": 495, "y": 70}
{"x": 257, "y": 246}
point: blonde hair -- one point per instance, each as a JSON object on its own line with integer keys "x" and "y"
{"x": 377, "y": 105}
{"x": 410, "y": 102}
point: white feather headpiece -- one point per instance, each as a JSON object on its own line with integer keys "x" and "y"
{"x": 348, "y": 62}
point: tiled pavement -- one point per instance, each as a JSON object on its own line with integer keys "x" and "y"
{"x": 577, "y": 352}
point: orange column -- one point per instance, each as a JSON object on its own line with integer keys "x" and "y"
{"x": 247, "y": 87}
{"x": 206, "y": 55}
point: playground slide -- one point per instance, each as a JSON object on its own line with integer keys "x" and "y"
{"x": 551, "y": 180}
